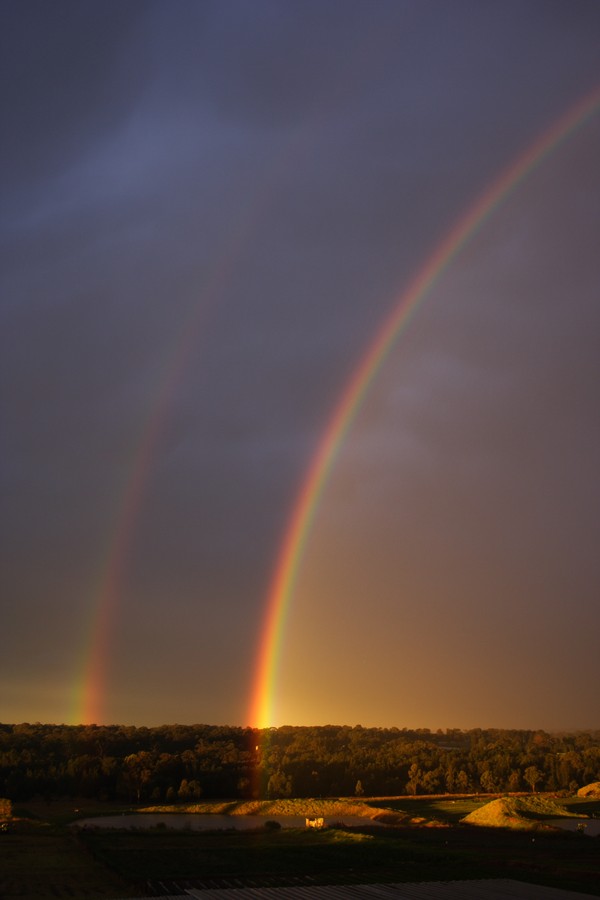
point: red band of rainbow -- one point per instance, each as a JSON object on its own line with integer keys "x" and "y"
{"x": 261, "y": 711}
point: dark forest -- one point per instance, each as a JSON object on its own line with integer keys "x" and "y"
{"x": 181, "y": 763}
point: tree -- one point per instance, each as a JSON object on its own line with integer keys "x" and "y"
{"x": 414, "y": 779}
{"x": 280, "y": 785}
{"x": 462, "y": 782}
{"x": 487, "y": 782}
{"x": 514, "y": 781}
{"x": 533, "y": 776}
{"x": 432, "y": 781}
{"x": 359, "y": 790}
{"x": 189, "y": 790}
{"x": 137, "y": 771}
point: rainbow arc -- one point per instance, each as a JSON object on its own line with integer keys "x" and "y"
{"x": 89, "y": 692}
{"x": 261, "y": 711}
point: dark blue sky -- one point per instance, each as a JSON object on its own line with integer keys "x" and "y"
{"x": 208, "y": 208}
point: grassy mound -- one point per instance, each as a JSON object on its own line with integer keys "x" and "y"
{"x": 590, "y": 790}
{"x": 292, "y": 807}
{"x": 515, "y": 812}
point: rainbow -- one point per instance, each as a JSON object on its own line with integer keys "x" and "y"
{"x": 261, "y": 711}
{"x": 89, "y": 690}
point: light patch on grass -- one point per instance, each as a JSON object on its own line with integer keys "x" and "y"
{"x": 347, "y": 837}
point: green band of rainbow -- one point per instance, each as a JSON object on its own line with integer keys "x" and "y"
{"x": 261, "y": 712}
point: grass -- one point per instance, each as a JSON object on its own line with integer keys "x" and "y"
{"x": 448, "y": 811}
{"x": 176, "y": 855}
{"x": 45, "y": 862}
{"x": 412, "y": 810}
{"x": 42, "y": 858}
{"x": 581, "y": 806}
{"x": 343, "y": 856}
{"x": 67, "y": 810}
{"x": 517, "y": 812}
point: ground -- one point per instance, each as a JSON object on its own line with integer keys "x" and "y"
{"x": 42, "y": 857}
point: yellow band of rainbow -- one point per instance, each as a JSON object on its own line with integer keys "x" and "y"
{"x": 261, "y": 709}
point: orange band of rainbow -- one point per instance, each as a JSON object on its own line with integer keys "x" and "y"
{"x": 261, "y": 711}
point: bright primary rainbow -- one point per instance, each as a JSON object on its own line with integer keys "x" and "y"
{"x": 261, "y": 713}
{"x": 89, "y": 690}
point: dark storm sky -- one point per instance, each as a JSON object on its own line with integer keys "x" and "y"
{"x": 208, "y": 209}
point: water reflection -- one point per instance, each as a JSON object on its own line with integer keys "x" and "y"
{"x": 590, "y": 827}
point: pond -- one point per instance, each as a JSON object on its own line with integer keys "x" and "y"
{"x": 199, "y": 822}
{"x": 214, "y": 822}
{"x": 590, "y": 827}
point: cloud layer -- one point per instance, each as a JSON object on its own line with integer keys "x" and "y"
{"x": 208, "y": 211}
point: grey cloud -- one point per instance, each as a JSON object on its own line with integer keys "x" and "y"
{"x": 209, "y": 220}
{"x": 66, "y": 80}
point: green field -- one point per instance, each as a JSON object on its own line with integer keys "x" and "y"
{"x": 41, "y": 857}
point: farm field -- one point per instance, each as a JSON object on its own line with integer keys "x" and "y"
{"x": 44, "y": 858}
{"x": 51, "y": 862}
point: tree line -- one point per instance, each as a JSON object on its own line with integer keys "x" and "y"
{"x": 180, "y": 763}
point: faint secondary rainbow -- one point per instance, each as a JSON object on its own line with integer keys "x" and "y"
{"x": 89, "y": 691}
{"x": 307, "y": 501}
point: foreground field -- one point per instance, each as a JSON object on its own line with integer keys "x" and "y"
{"x": 45, "y": 862}
{"x": 43, "y": 858}
{"x": 336, "y": 856}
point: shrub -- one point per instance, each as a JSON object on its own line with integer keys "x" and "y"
{"x": 5, "y": 808}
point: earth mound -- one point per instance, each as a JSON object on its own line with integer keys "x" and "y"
{"x": 515, "y": 812}
{"x": 590, "y": 790}
{"x": 293, "y": 807}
